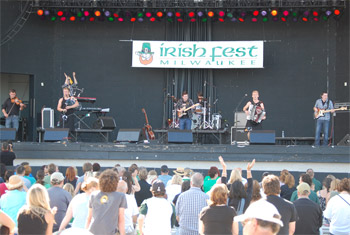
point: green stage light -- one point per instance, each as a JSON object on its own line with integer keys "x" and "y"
{"x": 110, "y": 19}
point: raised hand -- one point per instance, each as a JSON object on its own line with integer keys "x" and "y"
{"x": 221, "y": 160}
{"x": 250, "y": 165}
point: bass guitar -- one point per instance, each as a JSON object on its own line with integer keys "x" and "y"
{"x": 320, "y": 112}
{"x": 148, "y": 128}
{"x": 182, "y": 112}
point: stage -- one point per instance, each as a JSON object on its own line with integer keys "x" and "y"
{"x": 272, "y": 158}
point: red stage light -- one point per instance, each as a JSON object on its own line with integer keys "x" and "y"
{"x": 285, "y": 13}
{"x": 180, "y": 20}
{"x": 316, "y": 19}
{"x": 40, "y": 12}
{"x": 72, "y": 18}
{"x": 221, "y": 13}
{"x": 177, "y": 14}
{"x": 152, "y": 19}
{"x": 97, "y": 13}
{"x": 191, "y": 14}
{"x": 92, "y": 19}
{"x": 305, "y": 19}
{"x": 60, "y": 13}
{"x": 133, "y": 19}
{"x": 211, "y": 14}
{"x": 160, "y": 14}
{"x": 221, "y": 19}
{"x": 284, "y": 19}
{"x": 148, "y": 14}
{"x": 241, "y": 19}
{"x": 274, "y": 12}
{"x": 193, "y": 20}
{"x": 255, "y": 13}
{"x": 116, "y": 15}
{"x": 315, "y": 13}
{"x": 63, "y": 18}
{"x": 336, "y": 12}
{"x": 254, "y": 19}
{"x": 120, "y": 19}
{"x": 86, "y": 13}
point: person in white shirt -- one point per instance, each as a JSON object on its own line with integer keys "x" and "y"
{"x": 174, "y": 188}
{"x": 132, "y": 211}
{"x": 338, "y": 210}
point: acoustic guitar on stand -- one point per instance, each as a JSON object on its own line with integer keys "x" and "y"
{"x": 148, "y": 128}
{"x": 182, "y": 112}
{"x": 320, "y": 112}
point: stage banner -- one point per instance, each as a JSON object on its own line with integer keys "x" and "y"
{"x": 201, "y": 55}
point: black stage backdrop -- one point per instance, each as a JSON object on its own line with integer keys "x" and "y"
{"x": 300, "y": 61}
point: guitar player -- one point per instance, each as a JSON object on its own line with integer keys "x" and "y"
{"x": 322, "y": 123}
{"x": 185, "y": 119}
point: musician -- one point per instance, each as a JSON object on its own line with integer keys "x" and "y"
{"x": 183, "y": 103}
{"x": 66, "y": 106}
{"x": 249, "y": 108}
{"x": 11, "y": 108}
{"x": 322, "y": 123}
{"x": 72, "y": 84}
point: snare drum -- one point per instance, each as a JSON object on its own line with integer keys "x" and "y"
{"x": 199, "y": 109}
{"x": 216, "y": 121}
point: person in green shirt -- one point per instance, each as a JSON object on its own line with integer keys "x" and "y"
{"x": 305, "y": 178}
{"x": 318, "y": 185}
{"x": 211, "y": 178}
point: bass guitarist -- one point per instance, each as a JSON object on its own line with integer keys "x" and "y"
{"x": 184, "y": 117}
{"x": 322, "y": 122}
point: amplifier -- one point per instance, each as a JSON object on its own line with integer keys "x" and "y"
{"x": 263, "y": 137}
{"x": 239, "y": 136}
{"x": 105, "y": 123}
{"x": 47, "y": 118}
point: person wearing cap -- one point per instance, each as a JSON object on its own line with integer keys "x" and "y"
{"x": 164, "y": 174}
{"x": 261, "y": 218}
{"x": 59, "y": 198}
{"x": 12, "y": 201}
{"x": 309, "y": 212}
{"x": 189, "y": 205}
{"x": 78, "y": 207}
{"x": 157, "y": 215}
{"x": 306, "y": 179}
{"x": 271, "y": 186}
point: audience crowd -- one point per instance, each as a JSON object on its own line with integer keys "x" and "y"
{"x": 135, "y": 201}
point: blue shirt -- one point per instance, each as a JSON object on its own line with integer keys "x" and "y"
{"x": 327, "y": 106}
{"x": 188, "y": 206}
{"x": 11, "y": 202}
{"x": 164, "y": 178}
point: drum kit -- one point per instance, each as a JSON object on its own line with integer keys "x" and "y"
{"x": 202, "y": 119}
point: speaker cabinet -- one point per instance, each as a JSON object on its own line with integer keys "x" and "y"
{"x": 263, "y": 137}
{"x": 238, "y": 135}
{"x": 180, "y": 136}
{"x": 7, "y": 133}
{"x": 129, "y": 135}
{"x": 55, "y": 134}
{"x": 47, "y": 118}
{"x": 107, "y": 123}
{"x": 345, "y": 141}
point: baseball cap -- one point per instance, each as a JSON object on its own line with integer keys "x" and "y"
{"x": 303, "y": 187}
{"x": 57, "y": 177}
{"x": 262, "y": 210}
{"x": 158, "y": 186}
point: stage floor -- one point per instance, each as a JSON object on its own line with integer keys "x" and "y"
{"x": 269, "y": 157}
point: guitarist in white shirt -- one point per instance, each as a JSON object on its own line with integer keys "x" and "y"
{"x": 322, "y": 122}
{"x": 186, "y": 116}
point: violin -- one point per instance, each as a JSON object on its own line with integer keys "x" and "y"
{"x": 17, "y": 101}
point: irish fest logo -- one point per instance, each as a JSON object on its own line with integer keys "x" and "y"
{"x": 146, "y": 54}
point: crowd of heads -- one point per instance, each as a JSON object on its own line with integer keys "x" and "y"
{"x": 142, "y": 184}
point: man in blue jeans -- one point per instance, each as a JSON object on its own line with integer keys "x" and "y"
{"x": 11, "y": 108}
{"x": 322, "y": 122}
{"x": 184, "y": 116}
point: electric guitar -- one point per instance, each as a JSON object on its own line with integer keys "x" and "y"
{"x": 182, "y": 112}
{"x": 148, "y": 128}
{"x": 320, "y": 112}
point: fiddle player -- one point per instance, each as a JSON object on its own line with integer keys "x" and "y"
{"x": 248, "y": 109}
{"x": 66, "y": 106}
{"x": 11, "y": 108}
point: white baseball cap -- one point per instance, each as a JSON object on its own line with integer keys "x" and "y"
{"x": 263, "y": 210}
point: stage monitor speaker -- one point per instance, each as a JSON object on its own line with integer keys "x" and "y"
{"x": 129, "y": 135}
{"x": 7, "y": 133}
{"x": 107, "y": 123}
{"x": 180, "y": 136}
{"x": 47, "y": 118}
{"x": 55, "y": 134}
{"x": 263, "y": 137}
{"x": 345, "y": 141}
{"x": 238, "y": 135}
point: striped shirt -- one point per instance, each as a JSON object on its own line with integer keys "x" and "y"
{"x": 188, "y": 207}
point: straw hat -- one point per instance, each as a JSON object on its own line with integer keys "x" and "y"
{"x": 15, "y": 182}
{"x": 180, "y": 171}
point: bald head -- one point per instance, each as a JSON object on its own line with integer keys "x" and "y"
{"x": 122, "y": 187}
{"x": 197, "y": 180}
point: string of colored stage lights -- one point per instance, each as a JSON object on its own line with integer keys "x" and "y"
{"x": 240, "y": 15}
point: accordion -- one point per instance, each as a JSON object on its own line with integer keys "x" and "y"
{"x": 256, "y": 114}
